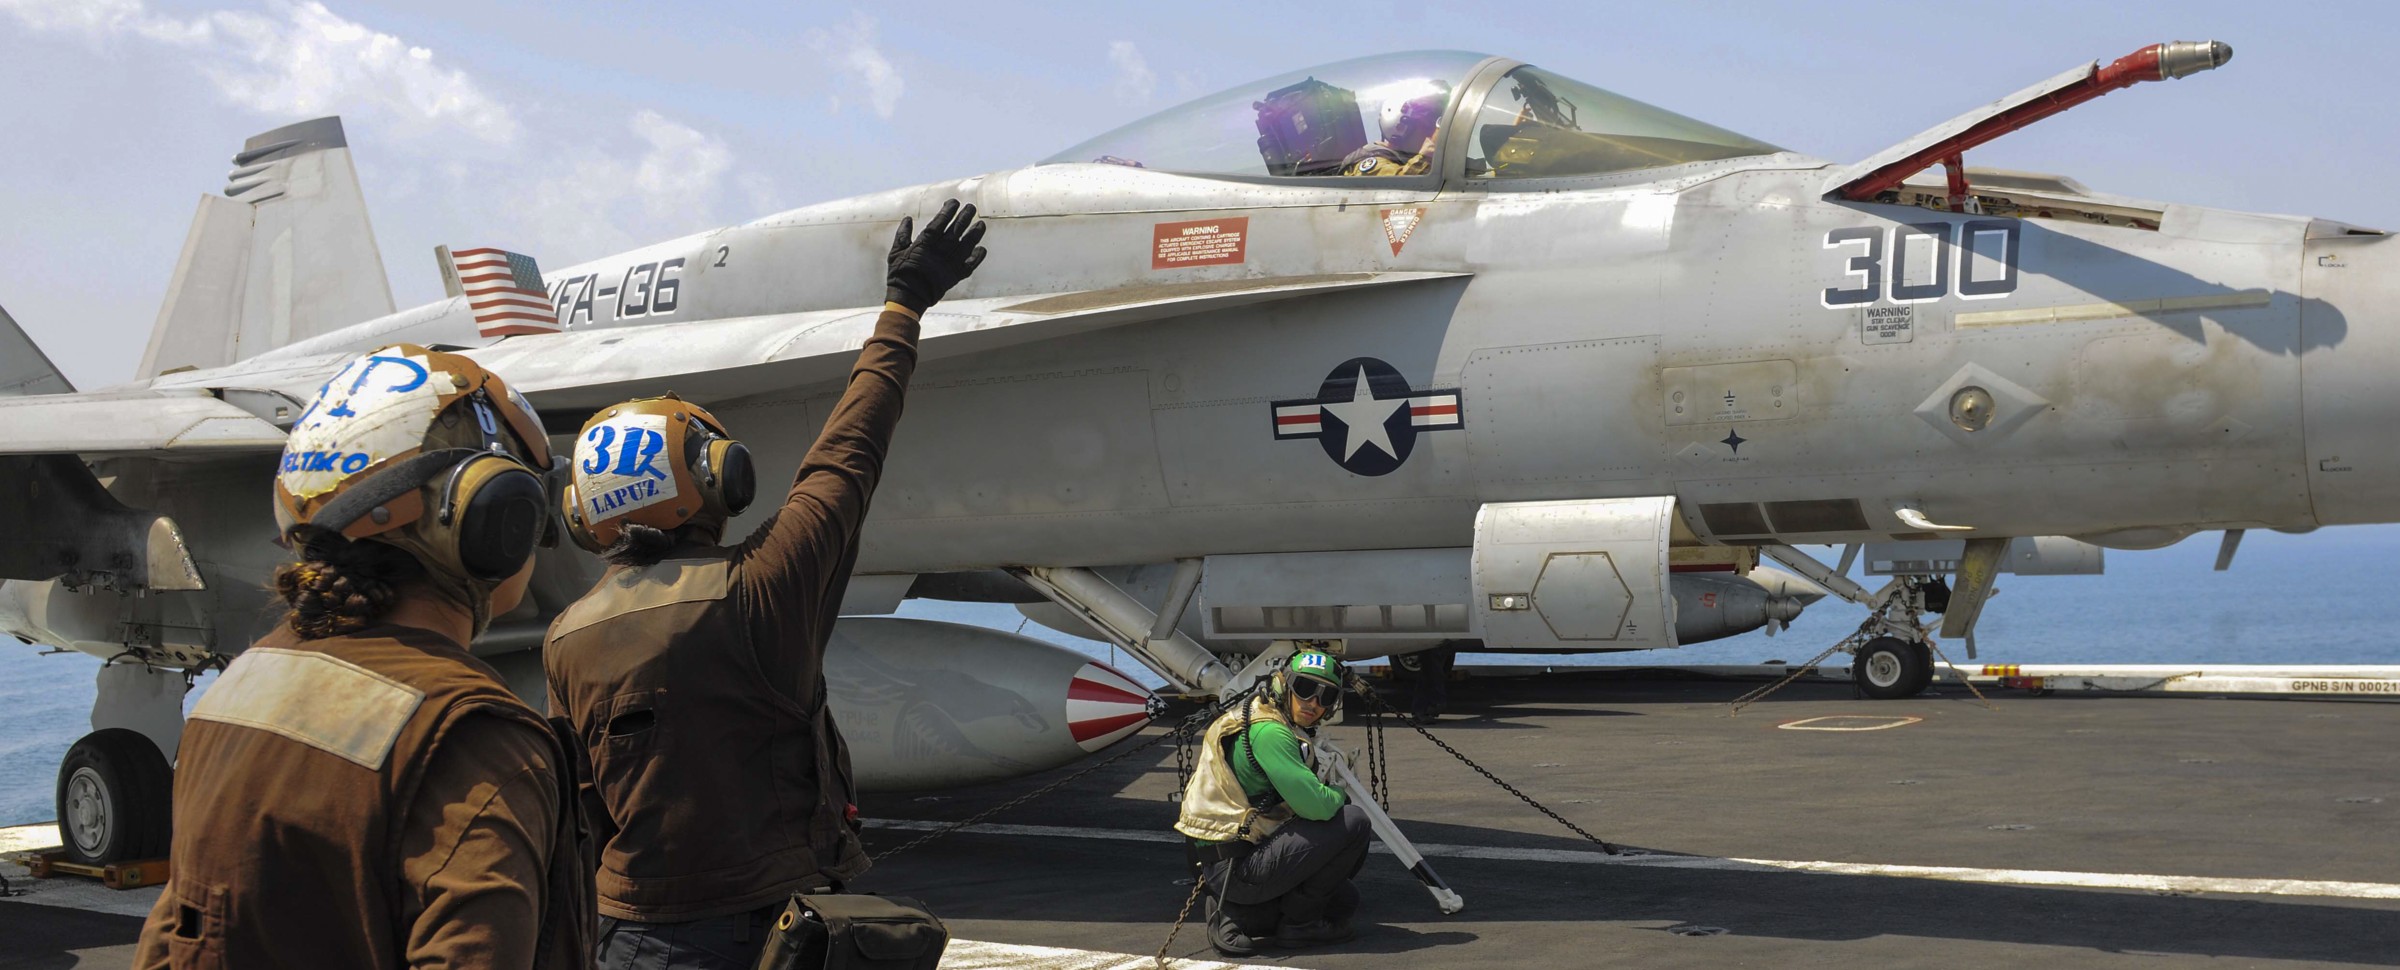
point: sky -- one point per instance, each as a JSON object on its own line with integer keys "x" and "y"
{"x": 573, "y": 130}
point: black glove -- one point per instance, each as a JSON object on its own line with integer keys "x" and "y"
{"x": 945, "y": 253}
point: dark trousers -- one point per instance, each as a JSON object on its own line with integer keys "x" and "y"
{"x": 1433, "y": 681}
{"x": 717, "y": 943}
{"x": 1300, "y": 874}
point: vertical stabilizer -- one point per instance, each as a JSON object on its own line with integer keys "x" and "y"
{"x": 284, "y": 254}
{"x": 24, "y": 369}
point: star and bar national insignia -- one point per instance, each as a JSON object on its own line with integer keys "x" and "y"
{"x": 1366, "y": 416}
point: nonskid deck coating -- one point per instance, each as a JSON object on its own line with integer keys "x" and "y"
{"x": 2222, "y": 793}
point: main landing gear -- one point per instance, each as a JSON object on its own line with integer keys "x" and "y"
{"x": 113, "y": 791}
{"x": 1892, "y": 653}
{"x": 1889, "y": 668}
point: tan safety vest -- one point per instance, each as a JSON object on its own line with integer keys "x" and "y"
{"x": 1213, "y": 801}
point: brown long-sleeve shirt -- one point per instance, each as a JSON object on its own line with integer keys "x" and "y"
{"x": 795, "y": 566}
{"x": 698, "y": 684}
{"x": 475, "y": 853}
{"x": 374, "y": 800}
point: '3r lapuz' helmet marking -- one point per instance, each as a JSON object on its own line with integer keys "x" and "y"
{"x": 1366, "y": 417}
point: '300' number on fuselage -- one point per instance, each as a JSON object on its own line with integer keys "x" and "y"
{"x": 1926, "y": 261}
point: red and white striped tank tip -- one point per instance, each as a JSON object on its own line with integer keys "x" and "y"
{"x": 1104, "y": 706}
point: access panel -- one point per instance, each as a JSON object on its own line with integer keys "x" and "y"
{"x": 1578, "y": 574}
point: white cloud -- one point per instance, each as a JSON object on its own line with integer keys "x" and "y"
{"x": 851, "y": 47}
{"x": 311, "y": 61}
{"x": 593, "y": 203}
{"x": 1135, "y": 82}
{"x": 99, "y": 19}
{"x": 437, "y": 137}
{"x": 296, "y": 59}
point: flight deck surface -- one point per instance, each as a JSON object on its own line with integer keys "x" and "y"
{"x": 2069, "y": 831}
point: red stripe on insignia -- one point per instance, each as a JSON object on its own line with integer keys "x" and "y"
{"x": 1092, "y": 690}
{"x": 478, "y": 252}
{"x": 549, "y": 318}
{"x": 1104, "y": 726}
{"x": 1434, "y": 409}
{"x": 1283, "y": 419}
{"x": 499, "y": 277}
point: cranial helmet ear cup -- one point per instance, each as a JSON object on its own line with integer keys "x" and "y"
{"x": 737, "y": 478}
{"x": 492, "y": 517}
{"x": 571, "y": 513}
{"x": 721, "y": 468}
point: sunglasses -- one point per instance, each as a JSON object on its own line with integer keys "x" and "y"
{"x": 1315, "y": 691}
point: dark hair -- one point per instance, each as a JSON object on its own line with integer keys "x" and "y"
{"x": 340, "y": 586}
{"x": 639, "y": 545}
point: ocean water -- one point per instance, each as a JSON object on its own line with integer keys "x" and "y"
{"x": 2319, "y": 598}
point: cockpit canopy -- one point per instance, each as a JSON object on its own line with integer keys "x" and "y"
{"x": 1368, "y": 117}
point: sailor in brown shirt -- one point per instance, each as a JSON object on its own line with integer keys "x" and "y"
{"x": 694, "y": 672}
{"x": 356, "y": 790}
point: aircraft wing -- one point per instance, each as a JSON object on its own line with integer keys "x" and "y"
{"x": 712, "y": 360}
{"x": 132, "y": 422}
{"x": 23, "y": 367}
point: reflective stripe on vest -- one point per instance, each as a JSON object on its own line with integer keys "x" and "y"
{"x": 1214, "y": 802}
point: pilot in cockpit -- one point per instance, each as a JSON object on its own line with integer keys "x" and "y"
{"x": 1411, "y": 119}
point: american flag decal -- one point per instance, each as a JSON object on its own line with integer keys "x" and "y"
{"x": 503, "y": 288}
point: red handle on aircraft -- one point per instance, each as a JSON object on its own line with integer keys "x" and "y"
{"x": 2157, "y": 62}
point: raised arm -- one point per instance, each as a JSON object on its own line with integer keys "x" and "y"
{"x": 796, "y": 565}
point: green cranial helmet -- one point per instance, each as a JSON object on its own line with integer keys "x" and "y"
{"x": 1316, "y": 663}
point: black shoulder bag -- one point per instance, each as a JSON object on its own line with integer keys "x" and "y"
{"x": 841, "y": 931}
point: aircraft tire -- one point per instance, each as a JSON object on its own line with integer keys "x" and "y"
{"x": 113, "y": 798}
{"x": 1889, "y": 668}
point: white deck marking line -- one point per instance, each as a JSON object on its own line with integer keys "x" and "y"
{"x": 2004, "y": 877}
{"x": 978, "y": 955}
{"x": 21, "y": 838}
{"x": 1879, "y": 722}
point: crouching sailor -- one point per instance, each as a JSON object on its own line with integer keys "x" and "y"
{"x": 1280, "y": 846}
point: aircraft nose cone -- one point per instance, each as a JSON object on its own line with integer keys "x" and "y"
{"x": 1104, "y": 706}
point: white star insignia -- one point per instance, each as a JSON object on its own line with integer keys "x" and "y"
{"x": 1364, "y": 416}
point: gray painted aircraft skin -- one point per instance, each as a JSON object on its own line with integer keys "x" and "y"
{"x": 1646, "y": 345}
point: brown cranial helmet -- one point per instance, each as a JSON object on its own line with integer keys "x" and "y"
{"x": 660, "y": 462}
{"x": 423, "y": 450}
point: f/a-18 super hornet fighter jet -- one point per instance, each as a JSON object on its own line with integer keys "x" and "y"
{"x": 1428, "y": 349}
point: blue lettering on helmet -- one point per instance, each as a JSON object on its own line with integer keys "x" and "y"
{"x": 639, "y": 457}
{"x": 354, "y": 463}
{"x": 411, "y": 383}
{"x": 600, "y": 438}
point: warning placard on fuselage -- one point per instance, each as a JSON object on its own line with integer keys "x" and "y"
{"x": 1887, "y": 324}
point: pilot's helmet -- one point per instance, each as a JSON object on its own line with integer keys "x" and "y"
{"x": 660, "y": 462}
{"x": 1414, "y": 109}
{"x": 426, "y": 451}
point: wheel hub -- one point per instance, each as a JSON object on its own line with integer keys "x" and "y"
{"x": 1883, "y": 670}
{"x": 87, "y": 811}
